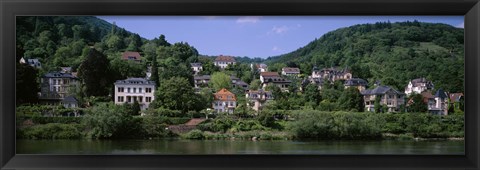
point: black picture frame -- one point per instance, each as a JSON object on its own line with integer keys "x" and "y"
{"x": 11, "y": 8}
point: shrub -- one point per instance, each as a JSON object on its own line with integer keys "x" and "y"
{"x": 51, "y": 131}
{"x": 194, "y": 134}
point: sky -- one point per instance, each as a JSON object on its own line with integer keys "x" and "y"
{"x": 252, "y": 36}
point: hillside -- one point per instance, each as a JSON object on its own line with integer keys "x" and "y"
{"x": 64, "y": 40}
{"x": 390, "y": 52}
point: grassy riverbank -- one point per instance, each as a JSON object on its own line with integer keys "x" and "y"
{"x": 271, "y": 125}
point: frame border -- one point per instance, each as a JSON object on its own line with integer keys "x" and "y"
{"x": 10, "y": 8}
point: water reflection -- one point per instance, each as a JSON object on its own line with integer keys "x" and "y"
{"x": 237, "y": 147}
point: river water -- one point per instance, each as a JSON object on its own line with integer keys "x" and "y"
{"x": 173, "y": 146}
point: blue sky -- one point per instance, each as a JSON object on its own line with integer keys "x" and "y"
{"x": 252, "y": 36}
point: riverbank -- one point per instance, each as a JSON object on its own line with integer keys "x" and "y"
{"x": 301, "y": 124}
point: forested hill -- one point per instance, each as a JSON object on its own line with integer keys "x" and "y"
{"x": 390, "y": 52}
{"x": 63, "y": 40}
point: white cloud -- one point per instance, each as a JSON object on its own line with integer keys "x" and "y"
{"x": 280, "y": 30}
{"x": 275, "y": 48}
{"x": 461, "y": 25}
{"x": 251, "y": 19}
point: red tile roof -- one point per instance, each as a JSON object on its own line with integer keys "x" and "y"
{"x": 269, "y": 74}
{"x": 130, "y": 55}
{"x": 225, "y": 58}
{"x": 224, "y": 95}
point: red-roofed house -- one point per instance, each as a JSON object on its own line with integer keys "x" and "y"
{"x": 224, "y": 101}
{"x": 133, "y": 56}
{"x": 223, "y": 61}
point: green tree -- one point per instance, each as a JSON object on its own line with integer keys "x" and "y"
{"x": 351, "y": 99}
{"x": 95, "y": 74}
{"x": 255, "y": 84}
{"x": 219, "y": 81}
{"x": 175, "y": 94}
{"x": 377, "y": 106}
{"x": 417, "y": 104}
{"x": 136, "y": 108}
{"x": 312, "y": 94}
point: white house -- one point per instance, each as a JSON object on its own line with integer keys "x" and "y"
{"x": 258, "y": 99}
{"x": 418, "y": 86}
{"x": 259, "y": 67}
{"x": 32, "y": 62}
{"x": 223, "y": 61}
{"x": 224, "y": 101}
{"x": 196, "y": 67}
{"x": 290, "y": 71}
{"x": 135, "y": 89}
{"x": 331, "y": 74}
{"x": 441, "y": 103}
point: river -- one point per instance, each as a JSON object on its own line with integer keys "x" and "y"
{"x": 174, "y": 146}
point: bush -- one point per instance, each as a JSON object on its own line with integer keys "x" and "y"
{"x": 51, "y": 131}
{"x": 166, "y": 112}
{"x": 194, "y": 134}
{"x": 337, "y": 125}
{"x": 154, "y": 127}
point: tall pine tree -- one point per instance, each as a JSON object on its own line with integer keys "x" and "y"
{"x": 94, "y": 72}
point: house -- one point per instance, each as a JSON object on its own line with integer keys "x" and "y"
{"x": 55, "y": 86}
{"x": 135, "y": 89}
{"x": 201, "y": 81}
{"x": 236, "y": 82}
{"x": 319, "y": 82}
{"x": 32, "y": 62}
{"x": 390, "y": 97}
{"x": 273, "y": 78}
{"x": 358, "y": 83}
{"x": 258, "y": 99}
{"x": 441, "y": 103}
{"x": 131, "y": 56}
{"x": 196, "y": 67}
{"x": 418, "y": 86}
{"x": 69, "y": 102}
{"x": 290, "y": 71}
{"x": 456, "y": 99}
{"x": 65, "y": 69}
{"x": 259, "y": 67}
{"x": 224, "y": 101}
{"x": 332, "y": 74}
{"x": 223, "y": 61}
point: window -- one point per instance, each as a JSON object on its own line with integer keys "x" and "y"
{"x": 140, "y": 99}
{"x": 120, "y": 89}
{"x": 148, "y": 90}
{"x": 148, "y": 99}
{"x": 120, "y": 99}
{"x": 128, "y": 90}
{"x": 140, "y": 90}
{"x": 134, "y": 90}
{"x": 129, "y": 99}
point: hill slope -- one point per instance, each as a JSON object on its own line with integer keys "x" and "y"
{"x": 390, "y": 52}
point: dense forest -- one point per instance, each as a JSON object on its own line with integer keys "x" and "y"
{"x": 393, "y": 53}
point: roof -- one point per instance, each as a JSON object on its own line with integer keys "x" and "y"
{"x": 356, "y": 82}
{"x": 379, "y": 90}
{"x": 225, "y": 58}
{"x": 202, "y": 77}
{"x": 420, "y": 81}
{"x": 59, "y": 75}
{"x": 441, "y": 94}
{"x": 269, "y": 74}
{"x": 261, "y": 65}
{"x": 426, "y": 96}
{"x": 225, "y": 95}
{"x": 260, "y": 91}
{"x": 66, "y": 69}
{"x": 130, "y": 55}
{"x": 34, "y": 60}
{"x": 196, "y": 64}
{"x": 291, "y": 69}
{"x": 135, "y": 80}
{"x": 70, "y": 99}
{"x": 455, "y": 97}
